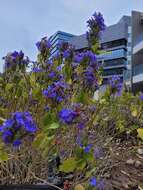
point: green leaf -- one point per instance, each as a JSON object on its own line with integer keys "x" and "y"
{"x": 90, "y": 172}
{"x": 79, "y": 187}
{"x": 47, "y": 118}
{"x": 140, "y": 133}
{"x": 3, "y": 156}
{"x": 54, "y": 126}
{"x": 68, "y": 165}
{"x": 9, "y": 86}
{"x": 81, "y": 164}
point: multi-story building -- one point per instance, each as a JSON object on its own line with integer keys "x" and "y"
{"x": 114, "y": 44}
{"x": 122, "y": 44}
{"x": 134, "y": 75}
{"x": 57, "y": 38}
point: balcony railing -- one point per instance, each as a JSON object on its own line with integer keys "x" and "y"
{"x": 121, "y": 53}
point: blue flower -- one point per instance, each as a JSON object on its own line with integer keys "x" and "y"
{"x": 52, "y": 74}
{"x": 59, "y": 68}
{"x": 66, "y": 54}
{"x": 78, "y": 140}
{"x": 8, "y": 123}
{"x": 47, "y": 108}
{"x": 30, "y": 127}
{"x": 67, "y": 115}
{"x": 87, "y": 149}
{"x": 43, "y": 45}
{"x": 79, "y": 57}
{"x": 115, "y": 85}
{"x": 101, "y": 185}
{"x": 15, "y": 54}
{"x": 7, "y": 135}
{"x": 95, "y": 27}
{"x": 17, "y": 143}
{"x": 56, "y": 91}
{"x": 16, "y": 59}
{"x": 50, "y": 62}
{"x": 80, "y": 126}
{"x": 93, "y": 182}
{"x": 141, "y": 96}
{"x": 19, "y": 124}
{"x": 37, "y": 70}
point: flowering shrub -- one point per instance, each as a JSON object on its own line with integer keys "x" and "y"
{"x": 50, "y": 113}
{"x": 18, "y": 126}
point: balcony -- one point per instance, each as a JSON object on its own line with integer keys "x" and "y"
{"x": 112, "y": 64}
{"x": 110, "y": 55}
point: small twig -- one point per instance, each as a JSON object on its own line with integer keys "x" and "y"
{"x": 44, "y": 181}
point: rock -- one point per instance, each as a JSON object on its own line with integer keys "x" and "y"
{"x": 130, "y": 162}
{"x": 140, "y": 151}
{"x": 138, "y": 163}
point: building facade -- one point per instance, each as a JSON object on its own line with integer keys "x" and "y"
{"x": 114, "y": 43}
{"x": 122, "y": 44}
{"x": 57, "y": 38}
{"x": 134, "y": 75}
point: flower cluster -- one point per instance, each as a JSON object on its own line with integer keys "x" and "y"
{"x": 95, "y": 27}
{"x": 56, "y": 91}
{"x": 15, "y": 60}
{"x": 43, "y": 45}
{"x": 115, "y": 86}
{"x": 68, "y": 116}
{"x": 90, "y": 68}
{"x": 66, "y": 50}
{"x": 18, "y": 126}
{"x": 99, "y": 184}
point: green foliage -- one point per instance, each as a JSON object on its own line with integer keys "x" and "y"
{"x": 140, "y": 133}
{"x": 68, "y": 165}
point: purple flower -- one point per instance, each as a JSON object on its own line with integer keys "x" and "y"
{"x": 17, "y": 143}
{"x": 15, "y": 54}
{"x": 99, "y": 20}
{"x": 30, "y": 126}
{"x": 101, "y": 185}
{"x": 56, "y": 91}
{"x": 93, "y": 182}
{"x": 19, "y": 124}
{"x": 87, "y": 149}
{"x": 78, "y": 140}
{"x": 16, "y": 60}
{"x": 52, "y": 74}
{"x": 79, "y": 57}
{"x": 7, "y": 135}
{"x": 37, "y": 70}
{"x": 47, "y": 108}
{"x": 43, "y": 45}
{"x": 67, "y": 116}
{"x": 115, "y": 85}
{"x": 66, "y": 54}
{"x": 50, "y": 62}
{"x": 80, "y": 126}
{"x": 8, "y": 123}
{"x": 141, "y": 96}
{"x": 95, "y": 27}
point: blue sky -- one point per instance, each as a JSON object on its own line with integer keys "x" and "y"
{"x": 23, "y": 22}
